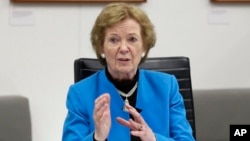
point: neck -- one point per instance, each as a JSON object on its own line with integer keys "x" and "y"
{"x": 124, "y": 85}
{"x": 122, "y": 76}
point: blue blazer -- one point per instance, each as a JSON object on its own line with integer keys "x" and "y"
{"x": 157, "y": 96}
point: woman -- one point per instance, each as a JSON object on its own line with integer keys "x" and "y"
{"x": 123, "y": 102}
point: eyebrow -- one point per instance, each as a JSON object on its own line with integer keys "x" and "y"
{"x": 128, "y": 34}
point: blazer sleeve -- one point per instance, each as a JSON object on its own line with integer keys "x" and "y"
{"x": 180, "y": 128}
{"x": 170, "y": 122}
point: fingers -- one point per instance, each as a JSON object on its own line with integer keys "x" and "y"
{"x": 103, "y": 98}
{"x": 123, "y": 122}
{"x": 102, "y": 117}
{"x": 129, "y": 123}
{"x": 138, "y": 129}
{"x": 102, "y": 106}
{"x": 135, "y": 124}
{"x": 142, "y": 130}
{"x": 137, "y": 117}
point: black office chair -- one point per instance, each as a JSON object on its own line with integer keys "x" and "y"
{"x": 178, "y": 66}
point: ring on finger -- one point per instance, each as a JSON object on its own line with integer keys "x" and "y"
{"x": 140, "y": 127}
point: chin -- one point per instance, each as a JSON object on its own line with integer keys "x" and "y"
{"x": 127, "y": 70}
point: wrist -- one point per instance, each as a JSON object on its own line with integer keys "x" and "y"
{"x": 97, "y": 138}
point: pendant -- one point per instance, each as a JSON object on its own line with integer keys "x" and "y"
{"x": 125, "y": 102}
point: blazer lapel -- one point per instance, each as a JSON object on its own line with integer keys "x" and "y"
{"x": 118, "y": 131}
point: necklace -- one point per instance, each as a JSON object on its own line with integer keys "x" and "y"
{"x": 126, "y": 95}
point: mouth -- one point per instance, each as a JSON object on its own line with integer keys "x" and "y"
{"x": 123, "y": 60}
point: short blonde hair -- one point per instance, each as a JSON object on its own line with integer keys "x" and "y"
{"x": 114, "y": 13}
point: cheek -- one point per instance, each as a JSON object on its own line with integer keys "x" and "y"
{"x": 110, "y": 55}
{"x": 111, "y": 52}
{"x": 137, "y": 57}
{"x": 138, "y": 52}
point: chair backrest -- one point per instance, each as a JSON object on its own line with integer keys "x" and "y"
{"x": 178, "y": 66}
{"x": 15, "y": 119}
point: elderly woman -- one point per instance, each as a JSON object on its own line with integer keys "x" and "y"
{"x": 123, "y": 102}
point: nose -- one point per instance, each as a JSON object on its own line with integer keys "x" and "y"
{"x": 124, "y": 47}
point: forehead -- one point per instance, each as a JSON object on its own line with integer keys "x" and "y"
{"x": 127, "y": 25}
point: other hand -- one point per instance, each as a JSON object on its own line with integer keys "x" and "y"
{"x": 138, "y": 126}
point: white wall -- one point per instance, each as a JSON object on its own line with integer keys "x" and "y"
{"x": 36, "y": 59}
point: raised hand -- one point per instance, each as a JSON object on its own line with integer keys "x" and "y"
{"x": 102, "y": 117}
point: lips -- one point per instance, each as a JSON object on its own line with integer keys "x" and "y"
{"x": 123, "y": 59}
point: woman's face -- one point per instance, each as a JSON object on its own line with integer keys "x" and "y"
{"x": 123, "y": 49}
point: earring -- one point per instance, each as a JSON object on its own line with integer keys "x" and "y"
{"x": 103, "y": 55}
{"x": 143, "y": 54}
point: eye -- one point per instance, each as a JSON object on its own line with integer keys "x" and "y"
{"x": 133, "y": 39}
{"x": 113, "y": 40}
